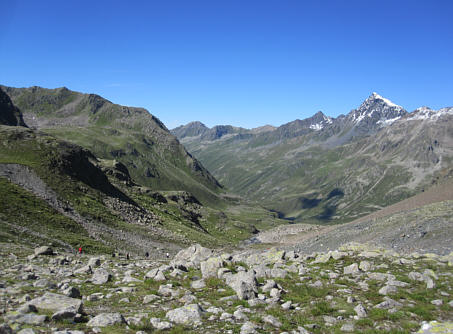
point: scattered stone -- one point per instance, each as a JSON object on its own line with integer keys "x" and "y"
{"x": 388, "y": 289}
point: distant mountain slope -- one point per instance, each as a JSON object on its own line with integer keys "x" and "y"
{"x": 324, "y": 169}
{"x": 132, "y": 136}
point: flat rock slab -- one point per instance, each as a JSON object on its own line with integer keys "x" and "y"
{"x": 106, "y": 319}
{"x": 55, "y": 302}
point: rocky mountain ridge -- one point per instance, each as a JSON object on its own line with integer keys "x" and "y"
{"x": 334, "y": 169}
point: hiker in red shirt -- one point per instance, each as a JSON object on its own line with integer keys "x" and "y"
{"x": 80, "y": 250}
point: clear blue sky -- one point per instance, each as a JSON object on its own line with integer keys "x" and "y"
{"x": 245, "y": 63}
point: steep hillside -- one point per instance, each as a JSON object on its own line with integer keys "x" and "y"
{"x": 330, "y": 170}
{"x": 129, "y": 135}
{"x": 9, "y": 113}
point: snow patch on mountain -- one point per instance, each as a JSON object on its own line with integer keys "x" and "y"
{"x": 426, "y": 113}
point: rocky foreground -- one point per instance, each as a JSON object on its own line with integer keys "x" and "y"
{"x": 355, "y": 289}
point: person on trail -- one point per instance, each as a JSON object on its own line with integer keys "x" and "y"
{"x": 80, "y": 250}
{"x": 147, "y": 255}
{"x": 168, "y": 255}
{"x": 127, "y": 256}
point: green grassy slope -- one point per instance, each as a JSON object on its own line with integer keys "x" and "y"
{"x": 132, "y": 136}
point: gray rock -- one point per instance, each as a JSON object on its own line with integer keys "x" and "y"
{"x": 248, "y": 328}
{"x": 388, "y": 303}
{"x": 360, "y": 311}
{"x": 27, "y": 308}
{"x": 278, "y": 273}
{"x": 188, "y": 314}
{"x": 210, "y": 267}
{"x": 348, "y": 327}
{"x": 272, "y": 321}
{"x": 149, "y": 299}
{"x": 270, "y": 284}
{"x": 94, "y": 262}
{"x": 198, "y": 284}
{"x": 352, "y": 269}
{"x": 437, "y": 302}
{"x": 388, "y": 289}
{"x": 106, "y": 319}
{"x": 240, "y": 315}
{"x": 244, "y": 284}
{"x": 55, "y": 302}
{"x": 365, "y": 266}
{"x": 29, "y": 319}
{"x": 64, "y": 314}
{"x": 72, "y": 292}
{"x": 193, "y": 255}
{"x": 100, "y": 276}
{"x": 159, "y": 324}
{"x": 43, "y": 250}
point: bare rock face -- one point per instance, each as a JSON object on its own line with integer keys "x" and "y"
{"x": 188, "y": 314}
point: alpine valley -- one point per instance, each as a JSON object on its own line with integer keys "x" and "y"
{"x": 330, "y": 170}
{"x": 111, "y": 223}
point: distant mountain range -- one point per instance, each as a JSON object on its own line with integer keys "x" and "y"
{"x": 325, "y": 169}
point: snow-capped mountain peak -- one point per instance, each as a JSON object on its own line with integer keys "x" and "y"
{"x": 376, "y": 96}
{"x": 376, "y": 111}
{"x": 321, "y": 120}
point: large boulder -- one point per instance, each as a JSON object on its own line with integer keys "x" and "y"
{"x": 106, "y": 319}
{"x": 188, "y": 314}
{"x": 55, "y": 302}
{"x": 244, "y": 284}
{"x": 100, "y": 276}
{"x": 43, "y": 250}
{"x": 211, "y": 266}
{"x": 192, "y": 256}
